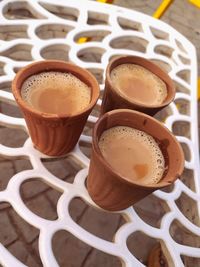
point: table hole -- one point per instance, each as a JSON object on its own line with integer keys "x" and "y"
{"x": 163, "y": 114}
{"x": 190, "y": 261}
{"x": 184, "y": 60}
{"x": 52, "y": 31}
{"x": 71, "y": 251}
{"x": 8, "y": 235}
{"x": 96, "y": 111}
{"x": 2, "y": 72}
{"x": 180, "y": 46}
{"x": 12, "y": 137}
{"x": 164, "y": 50}
{"x": 181, "y": 128}
{"x": 62, "y": 168}
{"x": 40, "y": 198}
{"x": 11, "y": 167}
{"x": 130, "y": 43}
{"x": 19, "y": 237}
{"x": 91, "y": 54}
{"x": 184, "y": 75}
{"x": 88, "y": 128}
{"x": 96, "y": 18}
{"x": 68, "y": 13}
{"x": 183, "y": 106}
{"x": 182, "y": 235}
{"x": 168, "y": 189}
{"x": 140, "y": 245}
{"x": 12, "y": 32}
{"x": 180, "y": 88}
{"x": 127, "y": 24}
{"x": 189, "y": 209}
{"x": 16, "y": 69}
{"x": 158, "y": 34}
{"x": 20, "y": 52}
{"x": 4, "y": 205}
{"x": 26, "y": 242}
{"x": 57, "y": 51}
{"x": 101, "y": 94}
{"x": 116, "y": 55}
{"x": 187, "y": 178}
{"x": 98, "y": 73}
{"x": 6, "y": 86}
{"x": 21, "y": 10}
{"x": 10, "y": 110}
{"x": 85, "y": 148}
{"x": 151, "y": 210}
{"x": 98, "y": 222}
{"x": 186, "y": 151}
{"x": 92, "y": 36}
{"x": 162, "y": 64}
{"x": 33, "y": 187}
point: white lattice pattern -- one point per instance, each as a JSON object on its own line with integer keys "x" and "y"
{"x": 116, "y": 31}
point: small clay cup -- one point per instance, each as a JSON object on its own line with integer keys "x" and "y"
{"x": 114, "y": 192}
{"x": 53, "y": 134}
{"x": 113, "y": 99}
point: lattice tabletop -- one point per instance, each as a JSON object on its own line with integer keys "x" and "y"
{"x": 53, "y": 27}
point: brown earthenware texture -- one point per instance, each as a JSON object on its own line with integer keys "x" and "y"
{"x": 110, "y": 190}
{"x": 54, "y": 134}
{"x": 113, "y": 99}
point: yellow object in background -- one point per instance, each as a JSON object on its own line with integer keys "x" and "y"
{"x": 106, "y": 1}
{"x": 198, "y": 88}
{"x": 82, "y": 40}
{"x": 195, "y": 2}
{"x": 162, "y": 8}
{"x": 85, "y": 39}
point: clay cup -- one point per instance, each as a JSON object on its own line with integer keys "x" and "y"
{"x": 113, "y": 99}
{"x": 53, "y": 134}
{"x": 113, "y": 192}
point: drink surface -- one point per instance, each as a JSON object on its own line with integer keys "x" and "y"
{"x": 56, "y": 93}
{"x": 138, "y": 84}
{"x": 133, "y": 154}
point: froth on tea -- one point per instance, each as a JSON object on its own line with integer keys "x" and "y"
{"x": 56, "y": 93}
{"x": 138, "y": 84}
{"x": 133, "y": 154}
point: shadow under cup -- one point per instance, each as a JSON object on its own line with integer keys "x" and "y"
{"x": 113, "y": 192}
{"x": 113, "y": 99}
{"x": 54, "y": 134}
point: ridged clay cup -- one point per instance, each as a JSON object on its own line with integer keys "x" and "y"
{"x": 114, "y": 99}
{"x": 54, "y": 134}
{"x": 114, "y": 192}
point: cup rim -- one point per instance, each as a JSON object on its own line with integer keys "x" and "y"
{"x": 70, "y": 67}
{"x": 96, "y": 148}
{"x": 130, "y": 59}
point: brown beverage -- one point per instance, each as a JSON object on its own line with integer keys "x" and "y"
{"x": 133, "y": 154}
{"x": 56, "y": 93}
{"x": 139, "y": 84}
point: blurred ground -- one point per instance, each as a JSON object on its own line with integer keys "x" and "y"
{"x": 22, "y": 239}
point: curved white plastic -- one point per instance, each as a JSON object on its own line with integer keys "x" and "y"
{"x": 182, "y": 58}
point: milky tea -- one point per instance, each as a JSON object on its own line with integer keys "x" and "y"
{"x": 136, "y": 83}
{"x": 133, "y": 154}
{"x": 56, "y": 93}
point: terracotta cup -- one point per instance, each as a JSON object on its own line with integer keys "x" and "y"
{"x": 54, "y": 134}
{"x": 110, "y": 190}
{"x": 113, "y": 99}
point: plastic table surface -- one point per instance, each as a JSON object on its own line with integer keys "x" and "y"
{"x": 112, "y": 31}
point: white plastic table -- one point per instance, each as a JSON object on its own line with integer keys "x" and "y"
{"x": 112, "y": 31}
